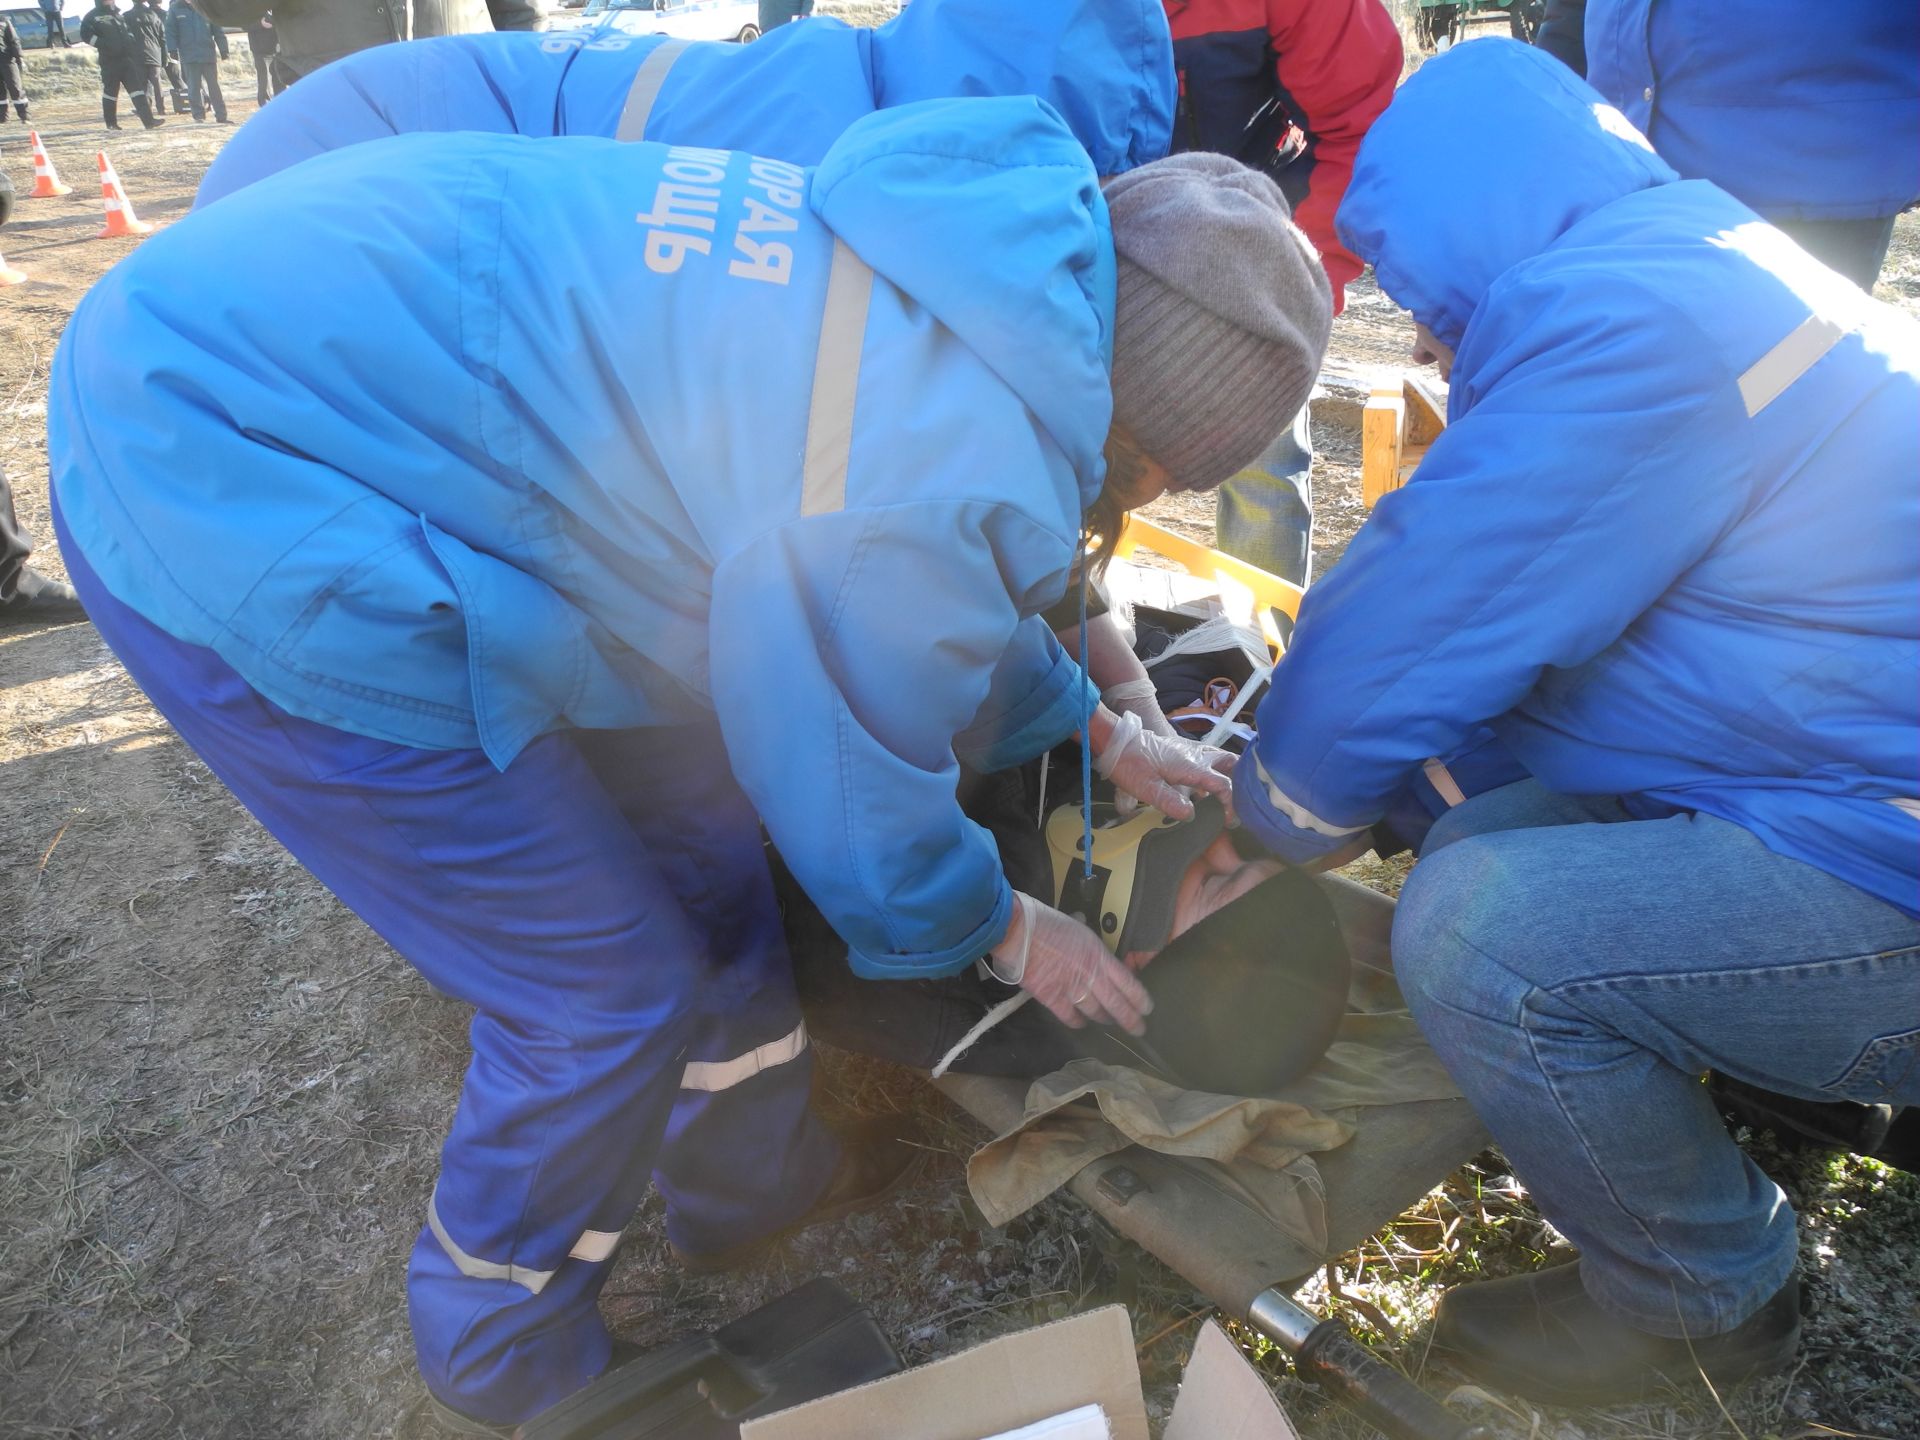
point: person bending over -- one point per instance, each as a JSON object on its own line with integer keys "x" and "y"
{"x": 702, "y": 491}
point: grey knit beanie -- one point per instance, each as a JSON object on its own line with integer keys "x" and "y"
{"x": 1222, "y": 318}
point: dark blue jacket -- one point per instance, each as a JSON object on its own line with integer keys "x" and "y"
{"x": 1804, "y": 111}
{"x": 191, "y": 38}
{"x": 1665, "y": 548}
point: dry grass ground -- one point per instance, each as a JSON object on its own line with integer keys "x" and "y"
{"x": 221, "y": 1096}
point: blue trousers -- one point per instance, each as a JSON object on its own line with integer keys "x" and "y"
{"x": 1578, "y": 971}
{"x": 606, "y": 907}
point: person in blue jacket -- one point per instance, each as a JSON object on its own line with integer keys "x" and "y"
{"x": 1665, "y": 551}
{"x": 1808, "y": 113}
{"x": 625, "y": 498}
{"x": 1105, "y": 65}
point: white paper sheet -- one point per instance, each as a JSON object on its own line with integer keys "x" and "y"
{"x": 1089, "y": 1422}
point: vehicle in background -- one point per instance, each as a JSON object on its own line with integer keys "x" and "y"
{"x": 31, "y": 23}
{"x": 683, "y": 19}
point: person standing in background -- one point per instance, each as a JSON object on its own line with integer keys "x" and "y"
{"x": 13, "y": 89}
{"x": 56, "y": 23}
{"x": 1809, "y": 114}
{"x": 148, "y": 28}
{"x": 196, "y": 43}
{"x": 311, "y": 33}
{"x": 261, "y": 44}
{"x": 775, "y": 13}
{"x": 1288, "y": 87}
{"x": 117, "y": 49}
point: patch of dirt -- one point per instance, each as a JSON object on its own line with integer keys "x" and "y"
{"x": 221, "y": 1097}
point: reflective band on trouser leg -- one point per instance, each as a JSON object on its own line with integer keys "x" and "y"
{"x": 647, "y": 81}
{"x": 593, "y": 1246}
{"x": 836, "y": 382}
{"x": 713, "y": 1075}
{"x": 1444, "y": 785}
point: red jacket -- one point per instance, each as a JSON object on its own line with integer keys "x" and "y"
{"x": 1326, "y": 66}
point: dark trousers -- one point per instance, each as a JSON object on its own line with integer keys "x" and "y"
{"x": 204, "y": 76}
{"x": 56, "y": 26}
{"x": 264, "y": 85}
{"x": 154, "y": 83}
{"x": 14, "y": 545}
{"x": 1855, "y": 248}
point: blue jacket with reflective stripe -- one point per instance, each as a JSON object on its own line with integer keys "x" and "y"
{"x": 526, "y": 468}
{"x": 1105, "y": 65}
{"x": 1803, "y": 111}
{"x": 1665, "y": 547}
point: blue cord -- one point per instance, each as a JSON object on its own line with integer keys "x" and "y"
{"x": 1086, "y": 732}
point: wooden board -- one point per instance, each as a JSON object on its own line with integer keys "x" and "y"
{"x": 1402, "y": 418}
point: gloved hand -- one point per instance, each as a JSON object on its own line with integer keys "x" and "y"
{"x": 1138, "y": 697}
{"x": 1063, "y": 965}
{"x": 1163, "y": 771}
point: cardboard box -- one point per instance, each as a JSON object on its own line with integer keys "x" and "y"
{"x": 1025, "y": 1378}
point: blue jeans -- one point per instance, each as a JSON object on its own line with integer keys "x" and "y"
{"x": 1578, "y": 971}
{"x": 606, "y": 906}
{"x": 1265, "y": 513}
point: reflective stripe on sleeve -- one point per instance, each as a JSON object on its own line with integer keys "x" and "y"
{"x": 647, "y": 81}
{"x": 1301, "y": 817}
{"x": 1767, "y": 379}
{"x": 836, "y": 380}
{"x": 713, "y": 1075}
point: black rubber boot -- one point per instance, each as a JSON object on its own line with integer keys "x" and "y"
{"x": 1541, "y": 1336}
{"x": 878, "y": 1158}
{"x": 21, "y": 111}
{"x": 144, "y": 109}
{"x": 110, "y": 112}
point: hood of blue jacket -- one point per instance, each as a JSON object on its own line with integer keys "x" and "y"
{"x": 989, "y": 214}
{"x": 1487, "y": 156}
{"x": 1105, "y": 65}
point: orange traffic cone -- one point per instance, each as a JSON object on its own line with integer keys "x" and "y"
{"x": 46, "y": 179}
{"x": 120, "y": 217}
{"x": 9, "y": 275}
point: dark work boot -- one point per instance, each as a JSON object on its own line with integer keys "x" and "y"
{"x": 39, "y": 600}
{"x": 460, "y": 1423}
{"x": 144, "y": 109}
{"x": 110, "y": 112}
{"x": 21, "y": 111}
{"x": 1542, "y": 1337}
{"x": 1871, "y": 1130}
{"x": 878, "y": 1158}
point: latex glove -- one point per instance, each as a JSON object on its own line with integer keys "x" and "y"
{"x": 1138, "y": 697}
{"x": 1063, "y": 965}
{"x": 1162, "y": 771}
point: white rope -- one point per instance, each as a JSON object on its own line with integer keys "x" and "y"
{"x": 986, "y": 1022}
